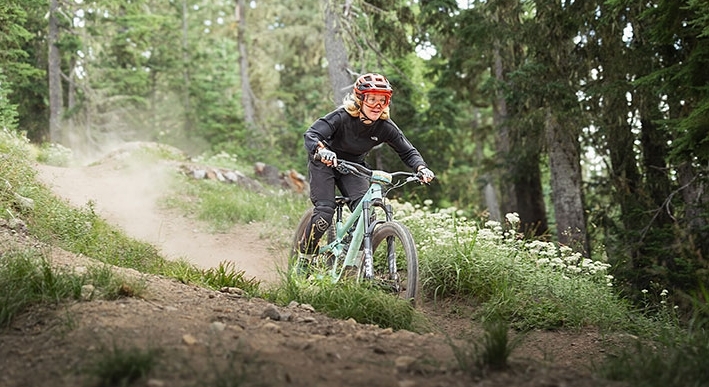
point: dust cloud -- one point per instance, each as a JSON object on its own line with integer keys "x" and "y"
{"x": 128, "y": 195}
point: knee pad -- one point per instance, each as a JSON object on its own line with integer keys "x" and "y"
{"x": 319, "y": 223}
{"x": 322, "y": 215}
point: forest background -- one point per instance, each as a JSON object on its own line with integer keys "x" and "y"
{"x": 590, "y": 119}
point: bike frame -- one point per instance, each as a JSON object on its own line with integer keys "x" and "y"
{"x": 363, "y": 227}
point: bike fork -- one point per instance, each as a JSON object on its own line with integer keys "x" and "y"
{"x": 391, "y": 257}
{"x": 367, "y": 243}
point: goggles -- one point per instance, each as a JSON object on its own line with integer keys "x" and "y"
{"x": 374, "y": 99}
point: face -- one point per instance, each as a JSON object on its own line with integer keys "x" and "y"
{"x": 374, "y": 104}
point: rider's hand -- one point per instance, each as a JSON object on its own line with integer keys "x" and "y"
{"x": 425, "y": 175}
{"x": 327, "y": 157}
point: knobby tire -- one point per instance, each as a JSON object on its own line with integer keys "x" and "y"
{"x": 299, "y": 231}
{"x": 395, "y": 235}
{"x": 387, "y": 234}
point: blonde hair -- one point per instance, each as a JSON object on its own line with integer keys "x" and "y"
{"x": 353, "y": 105}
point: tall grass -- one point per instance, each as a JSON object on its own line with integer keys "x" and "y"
{"x": 348, "y": 299}
{"x": 117, "y": 366}
{"x": 222, "y": 205}
{"x": 490, "y": 352}
{"x": 534, "y": 285}
{"x": 669, "y": 357}
{"x": 27, "y": 278}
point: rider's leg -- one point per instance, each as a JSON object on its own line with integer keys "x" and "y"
{"x": 322, "y": 195}
{"x": 354, "y": 187}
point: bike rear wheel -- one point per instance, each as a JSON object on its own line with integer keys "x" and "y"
{"x": 293, "y": 257}
{"x": 392, "y": 243}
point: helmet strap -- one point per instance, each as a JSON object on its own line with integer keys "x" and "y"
{"x": 365, "y": 120}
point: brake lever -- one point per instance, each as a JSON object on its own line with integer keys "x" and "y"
{"x": 342, "y": 168}
{"x": 418, "y": 177}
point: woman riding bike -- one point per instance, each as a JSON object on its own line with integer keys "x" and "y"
{"x": 349, "y": 133}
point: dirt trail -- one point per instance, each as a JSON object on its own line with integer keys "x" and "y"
{"x": 128, "y": 196}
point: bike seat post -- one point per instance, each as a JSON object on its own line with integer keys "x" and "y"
{"x": 340, "y": 202}
{"x": 338, "y": 211}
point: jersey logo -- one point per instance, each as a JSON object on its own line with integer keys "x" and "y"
{"x": 374, "y": 138}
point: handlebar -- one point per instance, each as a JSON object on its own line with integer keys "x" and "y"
{"x": 344, "y": 166}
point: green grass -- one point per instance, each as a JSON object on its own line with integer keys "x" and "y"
{"x": 669, "y": 357}
{"x": 27, "y": 279}
{"x": 348, "y": 299}
{"x": 117, "y": 366}
{"x": 227, "y": 275}
{"x": 666, "y": 361}
{"x": 490, "y": 352}
{"x": 532, "y": 285}
{"x": 223, "y": 205}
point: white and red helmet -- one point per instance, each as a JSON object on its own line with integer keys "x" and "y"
{"x": 372, "y": 83}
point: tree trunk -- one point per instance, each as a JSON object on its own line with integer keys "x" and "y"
{"x": 566, "y": 183}
{"x": 336, "y": 54}
{"x": 489, "y": 193}
{"x": 56, "y": 104}
{"x": 73, "y": 136}
{"x": 520, "y": 186}
{"x": 491, "y": 203}
{"x": 185, "y": 71}
{"x": 503, "y": 141}
{"x": 695, "y": 199}
{"x": 529, "y": 195}
{"x": 246, "y": 93}
{"x": 657, "y": 183}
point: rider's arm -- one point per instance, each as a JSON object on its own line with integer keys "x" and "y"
{"x": 320, "y": 131}
{"x": 403, "y": 147}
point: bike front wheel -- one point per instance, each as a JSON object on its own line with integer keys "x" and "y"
{"x": 395, "y": 260}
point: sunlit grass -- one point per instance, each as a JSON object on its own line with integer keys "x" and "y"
{"x": 227, "y": 275}
{"x": 27, "y": 278}
{"x": 349, "y": 299}
{"x": 26, "y": 202}
{"x": 222, "y": 205}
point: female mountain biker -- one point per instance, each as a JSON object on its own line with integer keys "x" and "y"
{"x": 349, "y": 133}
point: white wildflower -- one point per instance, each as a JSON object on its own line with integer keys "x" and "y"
{"x": 512, "y": 218}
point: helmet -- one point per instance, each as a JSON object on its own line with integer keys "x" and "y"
{"x": 372, "y": 83}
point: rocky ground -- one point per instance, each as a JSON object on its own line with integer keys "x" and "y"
{"x": 201, "y": 337}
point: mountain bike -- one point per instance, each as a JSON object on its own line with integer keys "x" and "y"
{"x": 367, "y": 244}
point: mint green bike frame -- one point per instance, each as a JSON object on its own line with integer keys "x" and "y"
{"x": 363, "y": 225}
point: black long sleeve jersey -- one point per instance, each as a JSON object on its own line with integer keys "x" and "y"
{"x": 351, "y": 139}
